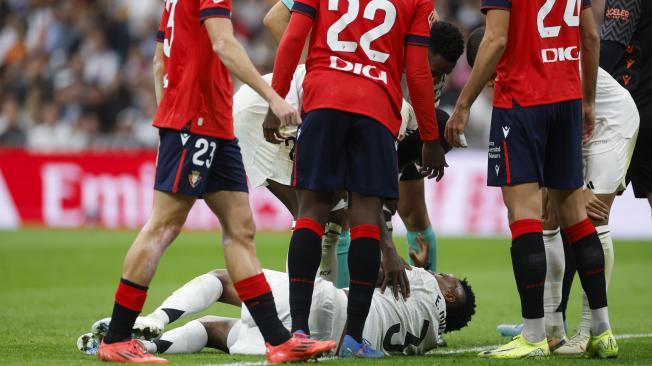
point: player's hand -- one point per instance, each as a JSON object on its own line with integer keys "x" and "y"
{"x": 595, "y": 209}
{"x": 588, "y": 118}
{"x": 394, "y": 267}
{"x": 271, "y": 126}
{"x": 420, "y": 258}
{"x": 285, "y": 112}
{"x": 456, "y": 125}
{"x": 433, "y": 160}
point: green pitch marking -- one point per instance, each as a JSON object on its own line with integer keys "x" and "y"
{"x": 55, "y": 283}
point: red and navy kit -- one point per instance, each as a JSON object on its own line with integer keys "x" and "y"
{"x": 352, "y": 93}
{"x": 198, "y": 90}
{"x": 540, "y": 64}
{"x": 357, "y": 56}
{"x": 536, "y": 124}
{"x": 198, "y": 152}
{"x": 194, "y": 165}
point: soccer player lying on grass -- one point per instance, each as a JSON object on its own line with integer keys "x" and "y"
{"x": 606, "y": 156}
{"x": 410, "y": 327}
{"x": 606, "y": 159}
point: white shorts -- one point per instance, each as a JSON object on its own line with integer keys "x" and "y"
{"x": 327, "y": 315}
{"x": 262, "y": 160}
{"x": 606, "y": 160}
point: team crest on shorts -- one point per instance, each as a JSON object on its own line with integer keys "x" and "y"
{"x": 194, "y": 177}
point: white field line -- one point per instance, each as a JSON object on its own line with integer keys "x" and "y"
{"x": 435, "y": 352}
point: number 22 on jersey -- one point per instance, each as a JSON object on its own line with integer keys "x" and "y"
{"x": 365, "y": 40}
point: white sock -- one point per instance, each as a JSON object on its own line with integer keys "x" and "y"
{"x": 191, "y": 338}
{"x": 597, "y": 321}
{"x": 328, "y": 265}
{"x": 534, "y": 330}
{"x": 195, "y": 296}
{"x": 555, "y": 263}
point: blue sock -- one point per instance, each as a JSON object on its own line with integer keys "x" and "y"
{"x": 343, "y": 259}
{"x": 431, "y": 239}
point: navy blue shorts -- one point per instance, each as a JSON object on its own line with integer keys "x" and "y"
{"x": 537, "y": 144}
{"x": 338, "y": 150}
{"x": 194, "y": 165}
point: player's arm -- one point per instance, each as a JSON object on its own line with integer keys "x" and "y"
{"x": 617, "y": 30}
{"x": 590, "y": 51}
{"x": 277, "y": 19}
{"x": 234, "y": 57}
{"x": 422, "y": 95}
{"x": 287, "y": 59}
{"x": 489, "y": 53}
{"x": 158, "y": 68}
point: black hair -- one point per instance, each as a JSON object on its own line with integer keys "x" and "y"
{"x": 460, "y": 316}
{"x": 446, "y": 40}
{"x": 473, "y": 44}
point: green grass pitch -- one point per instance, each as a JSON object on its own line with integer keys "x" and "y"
{"x": 55, "y": 284}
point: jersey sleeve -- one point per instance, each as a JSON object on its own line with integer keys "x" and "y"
{"x": 305, "y": 7}
{"x": 288, "y": 3}
{"x": 495, "y": 4}
{"x": 419, "y": 30}
{"x": 214, "y": 9}
{"x": 621, "y": 19}
{"x": 160, "y": 34}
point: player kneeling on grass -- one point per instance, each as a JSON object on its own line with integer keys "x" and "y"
{"x": 409, "y": 327}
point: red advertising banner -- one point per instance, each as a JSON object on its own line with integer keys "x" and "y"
{"x": 113, "y": 189}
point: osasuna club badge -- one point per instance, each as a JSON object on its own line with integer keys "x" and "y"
{"x": 194, "y": 177}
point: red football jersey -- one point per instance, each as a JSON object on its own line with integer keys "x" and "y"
{"x": 541, "y": 61}
{"x": 357, "y": 54}
{"x": 198, "y": 90}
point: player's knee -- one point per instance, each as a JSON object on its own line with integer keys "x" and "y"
{"x": 163, "y": 231}
{"x": 242, "y": 234}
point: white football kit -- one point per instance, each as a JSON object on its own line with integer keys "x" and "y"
{"x": 407, "y": 327}
{"x": 608, "y": 154}
{"x": 263, "y": 160}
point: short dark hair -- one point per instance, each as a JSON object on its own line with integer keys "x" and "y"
{"x": 459, "y": 317}
{"x": 446, "y": 40}
{"x": 473, "y": 44}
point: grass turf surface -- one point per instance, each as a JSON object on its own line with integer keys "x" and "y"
{"x": 55, "y": 284}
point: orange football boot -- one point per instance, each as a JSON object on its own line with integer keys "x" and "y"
{"x": 131, "y": 351}
{"x": 298, "y": 348}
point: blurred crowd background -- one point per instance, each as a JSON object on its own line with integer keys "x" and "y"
{"x": 76, "y": 74}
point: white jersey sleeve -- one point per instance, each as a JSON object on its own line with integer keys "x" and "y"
{"x": 408, "y": 121}
{"x": 262, "y": 160}
{"x": 411, "y": 326}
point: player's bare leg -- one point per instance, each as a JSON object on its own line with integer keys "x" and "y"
{"x": 414, "y": 214}
{"x": 238, "y": 230}
{"x": 590, "y": 263}
{"x": 286, "y": 194}
{"x": 168, "y": 216}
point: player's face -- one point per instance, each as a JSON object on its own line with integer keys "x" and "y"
{"x": 439, "y": 66}
{"x": 451, "y": 288}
